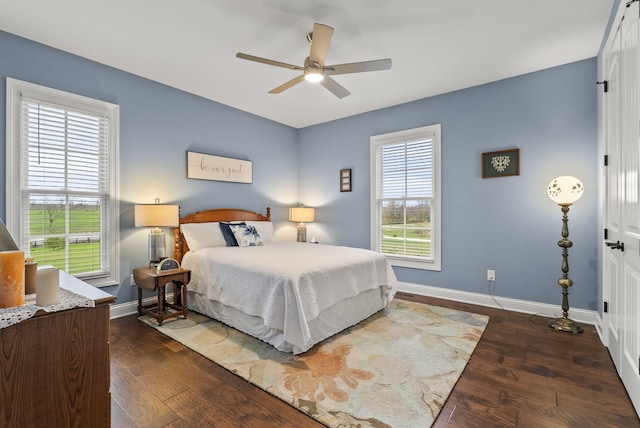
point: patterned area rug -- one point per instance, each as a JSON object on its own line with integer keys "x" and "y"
{"x": 395, "y": 369}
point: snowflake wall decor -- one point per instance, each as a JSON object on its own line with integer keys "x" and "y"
{"x": 500, "y": 163}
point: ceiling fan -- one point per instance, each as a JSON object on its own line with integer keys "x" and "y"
{"x": 314, "y": 69}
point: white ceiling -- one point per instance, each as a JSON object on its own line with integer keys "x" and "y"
{"x": 436, "y": 46}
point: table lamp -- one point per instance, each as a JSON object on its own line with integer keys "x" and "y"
{"x": 301, "y": 215}
{"x": 156, "y": 216}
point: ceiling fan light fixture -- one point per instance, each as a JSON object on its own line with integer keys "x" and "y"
{"x": 313, "y": 76}
{"x": 314, "y": 69}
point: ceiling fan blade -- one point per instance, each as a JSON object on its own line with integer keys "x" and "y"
{"x": 268, "y": 61}
{"x": 287, "y": 85}
{"x": 337, "y": 89}
{"x": 320, "y": 41}
{"x": 359, "y": 67}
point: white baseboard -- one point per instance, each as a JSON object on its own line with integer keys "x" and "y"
{"x": 580, "y": 315}
{"x": 129, "y": 308}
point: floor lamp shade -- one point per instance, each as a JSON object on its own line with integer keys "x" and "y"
{"x": 565, "y": 190}
{"x": 156, "y": 216}
{"x": 302, "y": 215}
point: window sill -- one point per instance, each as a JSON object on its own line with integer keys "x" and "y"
{"x": 414, "y": 264}
{"x": 100, "y": 282}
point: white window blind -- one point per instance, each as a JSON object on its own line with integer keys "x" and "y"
{"x": 405, "y": 203}
{"x": 66, "y": 183}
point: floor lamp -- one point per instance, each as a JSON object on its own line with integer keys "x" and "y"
{"x": 564, "y": 191}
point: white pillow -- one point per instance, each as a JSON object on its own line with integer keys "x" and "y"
{"x": 203, "y": 235}
{"x": 264, "y": 229}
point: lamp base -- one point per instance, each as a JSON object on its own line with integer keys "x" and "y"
{"x": 565, "y": 324}
{"x": 302, "y": 232}
{"x": 157, "y": 247}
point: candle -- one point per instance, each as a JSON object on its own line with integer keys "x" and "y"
{"x": 47, "y": 286}
{"x": 11, "y": 278}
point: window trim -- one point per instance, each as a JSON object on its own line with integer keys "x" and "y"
{"x": 415, "y": 134}
{"x": 14, "y": 90}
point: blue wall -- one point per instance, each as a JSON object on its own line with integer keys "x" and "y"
{"x": 158, "y": 124}
{"x": 507, "y": 224}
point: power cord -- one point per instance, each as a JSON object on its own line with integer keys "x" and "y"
{"x": 531, "y": 317}
{"x": 491, "y": 293}
{"x": 540, "y": 315}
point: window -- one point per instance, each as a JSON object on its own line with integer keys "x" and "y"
{"x": 405, "y": 197}
{"x": 62, "y": 204}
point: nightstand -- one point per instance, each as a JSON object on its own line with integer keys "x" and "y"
{"x": 151, "y": 280}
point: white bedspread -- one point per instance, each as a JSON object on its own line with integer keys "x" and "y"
{"x": 287, "y": 284}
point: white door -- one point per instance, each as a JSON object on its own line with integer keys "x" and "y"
{"x": 622, "y": 267}
{"x": 613, "y": 257}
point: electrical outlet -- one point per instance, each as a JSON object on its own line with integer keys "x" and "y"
{"x": 132, "y": 281}
{"x": 491, "y": 275}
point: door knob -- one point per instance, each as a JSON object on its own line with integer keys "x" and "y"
{"x": 616, "y": 245}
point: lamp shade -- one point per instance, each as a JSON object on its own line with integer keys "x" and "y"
{"x": 565, "y": 190}
{"x": 156, "y": 215}
{"x": 301, "y": 214}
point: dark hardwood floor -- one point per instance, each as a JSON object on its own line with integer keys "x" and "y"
{"x": 522, "y": 374}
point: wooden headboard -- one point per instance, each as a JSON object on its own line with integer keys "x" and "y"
{"x": 206, "y": 216}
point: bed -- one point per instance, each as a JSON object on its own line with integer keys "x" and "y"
{"x": 289, "y": 294}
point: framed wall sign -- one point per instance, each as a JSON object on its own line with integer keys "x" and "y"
{"x": 209, "y": 167}
{"x": 501, "y": 163}
{"x": 345, "y": 180}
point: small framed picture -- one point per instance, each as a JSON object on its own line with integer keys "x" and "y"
{"x": 502, "y": 163}
{"x": 345, "y": 180}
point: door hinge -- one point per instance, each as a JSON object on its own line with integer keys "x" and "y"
{"x": 606, "y": 234}
{"x": 605, "y": 85}
{"x": 606, "y": 160}
{"x": 606, "y": 307}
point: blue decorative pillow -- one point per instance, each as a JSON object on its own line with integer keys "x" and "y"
{"x": 229, "y": 238}
{"x": 246, "y": 236}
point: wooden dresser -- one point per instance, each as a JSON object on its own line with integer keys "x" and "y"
{"x": 55, "y": 367}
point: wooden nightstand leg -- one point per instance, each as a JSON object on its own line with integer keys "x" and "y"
{"x": 160, "y": 304}
{"x": 185, "y": 309}
{"x": 177, "y": 290}
{"x": 139, "y": 300}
